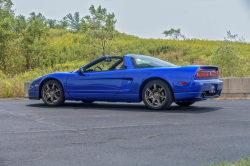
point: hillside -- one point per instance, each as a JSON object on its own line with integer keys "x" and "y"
{"x": 67, "y": 51}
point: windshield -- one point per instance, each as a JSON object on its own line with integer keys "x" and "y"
{"x": 141, "y": 61}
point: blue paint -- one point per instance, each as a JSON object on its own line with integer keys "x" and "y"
{"x": 106, "y": 84}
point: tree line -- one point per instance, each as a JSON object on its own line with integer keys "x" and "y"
{"x": 26, "y": 41}
{"x": 37, "y": 42}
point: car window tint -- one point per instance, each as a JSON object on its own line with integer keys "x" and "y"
{"x": 141, "y": 61}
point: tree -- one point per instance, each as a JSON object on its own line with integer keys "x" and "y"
{"x": 229, "y": 63}
{"x": 32, "y": 41}
{"x": 20, "y": 23}
{"x": 51, "y": 23}
{"x": 64, "y": 24}
{"x": 235, "y": 37}
{"x": 174, "y": 34}
{"x": 5, "y": 9}
{"x": 39, "y": 16}
{"x": 102, "y": 25}
{"x": 6, "y": 33}
{"x": 74, "y": 21}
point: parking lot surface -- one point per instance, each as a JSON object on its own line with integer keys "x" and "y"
{"x": 122, "y": 133}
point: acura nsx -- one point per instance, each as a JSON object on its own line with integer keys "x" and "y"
{"x": 130, "y": 78}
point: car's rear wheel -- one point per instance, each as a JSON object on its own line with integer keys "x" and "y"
{"x": 87, "y": 101}
{"x": 184, "y": 103}
{"x": 52, "y": 93}
{"x": 157, "y": 95}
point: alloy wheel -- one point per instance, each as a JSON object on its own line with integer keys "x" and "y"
{"x": 51, "y": 93}
{"x": 155, "y": 95}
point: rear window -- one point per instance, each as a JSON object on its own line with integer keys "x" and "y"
{"x": 141, "y": 61}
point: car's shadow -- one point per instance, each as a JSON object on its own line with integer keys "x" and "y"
{"x": 127, "y": 107}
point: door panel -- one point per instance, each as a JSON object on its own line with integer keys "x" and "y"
{"x": 95, "y": 84}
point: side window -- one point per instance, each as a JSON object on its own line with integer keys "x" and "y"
{"x": 120, "y": 66}
{"x": 106, "y": 65}
{"x": 140, "y": 63}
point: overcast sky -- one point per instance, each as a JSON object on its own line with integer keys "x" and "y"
{"x": 201, "y": 19}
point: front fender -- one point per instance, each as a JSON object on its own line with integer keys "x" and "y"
{"x": 61, "y": 78}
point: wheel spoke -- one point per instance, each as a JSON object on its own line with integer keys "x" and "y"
{"x": 53, "y": 86}
{"x": 149, "y": 90}
{"x": 46, "y": 96}
{"x": 149, "y": 97}
{"x": 159, "y": 101}
{"x": 155, "y": 87}
{"x": 58, "y": 90}
{"x": 48, "y": 88}
{"x": 56, "y": 97}
{"x": 52, "y": 99}
{"x": 153, "y": 101}
{"x": 160, "y": 90}
{"x": 161, "y": 96}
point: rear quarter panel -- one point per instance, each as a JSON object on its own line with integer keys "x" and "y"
{"x": 173, "y": 76}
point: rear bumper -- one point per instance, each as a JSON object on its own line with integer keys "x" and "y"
{"x": 193, "y": 96}
{"x": 200, "y": 90}
{"x": 205, "y": 85}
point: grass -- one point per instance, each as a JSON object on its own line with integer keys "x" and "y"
{"x": 13, "y": 86}
{"x": 240, "y": 162}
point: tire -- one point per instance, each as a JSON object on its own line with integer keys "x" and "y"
{"x": 52, "y": 93}
{"x": 157, "y": 95}
{"x": 88, "y": 102}
{"x": 184, "y": 103}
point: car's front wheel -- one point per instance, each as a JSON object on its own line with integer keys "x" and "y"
{"x": 157, "y": 95}
{"x": 184, "y": 103}
{"x": 52, "y": 93}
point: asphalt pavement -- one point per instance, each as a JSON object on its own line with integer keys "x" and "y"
{"x": 75, "y": 134}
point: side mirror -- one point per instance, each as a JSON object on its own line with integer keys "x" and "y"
{"x": 80, "y": 71}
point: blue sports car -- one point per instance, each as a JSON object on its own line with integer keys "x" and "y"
{"x": 130, "y": 78}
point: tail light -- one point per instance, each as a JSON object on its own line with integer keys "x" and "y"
{"x": 207, "y": 72}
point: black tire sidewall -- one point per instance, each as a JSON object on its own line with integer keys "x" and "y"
{"x": 61, "y": 99}
{"x": 169, "y": 95}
